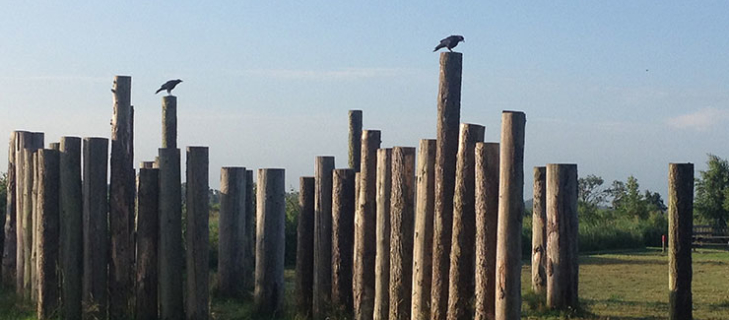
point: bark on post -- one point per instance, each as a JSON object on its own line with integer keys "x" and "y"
{"x": 305, "y": 247}
{"x": 121, "y": 202}
{"x": 231, "y": 241}
{"x": 10, "y": 223}
{"x": 23, "y": 141}
{"x": 449, "y": 109}
{"x": 461, "y": 277}
{"x": 539, "y": 235}
{"x": 322, "y": 289}
{"x": 197, "y": 235}
{"x": 147, "y": 234}
{"x": 382, "y": 234}
{"x": 364, "y": 229}
{"x": 169, "y": 121}
{"x": 49, "y": 216}
{"x": 71, "y": 226}
{"x": 680, "y": 228}
{"x": 271, "y": 211}
{"x": 342, "y": 238}
{"x": 487, "y": 209}
{"x": 249, "y": 263}
{"x": 95, "y": 225}
{"x": 402, "y": 219}
{"x": 170, "y": 240}
{"x": 355, "y": 139}
{"x": 562, "y": 268}
{"x": 423, "y": 239}
{"x": 511, "y": 212}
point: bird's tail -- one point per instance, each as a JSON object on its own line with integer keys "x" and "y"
{"x": 158, "y": 90}
{"x": 438, "y": 47}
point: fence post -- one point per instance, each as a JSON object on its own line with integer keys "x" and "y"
{"x": 342, "y": 238}
{"x": 355, "y": 139}
{"x": 539, "y": 235}
{"x": 48, "y": 233}
{"x": 402, "y": 220}
{"x": 562, "y": 268}
{"x": 382, "y": 234}
{"x": 231, "y": 235}
{"x": 271, "y": 211}
{"x": 322, "y": 235}
{"x": 147, "y": 233}
{"x": 680, "y": 228}
{"x": 487, "y": 209}
{"x": 305, "y": 247}
{"x": 423, "y": 238}
{"x": 71, "y": 226}
{"x": 198, "y": 234}
{"x": 170, "y": 238}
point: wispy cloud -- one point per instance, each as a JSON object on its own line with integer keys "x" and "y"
{"x": 700, "y": 120}
{"x": 342, "y": 74}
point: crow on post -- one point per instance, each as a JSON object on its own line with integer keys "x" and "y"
{"x": 449, "y": 43}
{"x": 169, "y": 85}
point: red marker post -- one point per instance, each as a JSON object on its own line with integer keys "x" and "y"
{"x": 663, "y": 242}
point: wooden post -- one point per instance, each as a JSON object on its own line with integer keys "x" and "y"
{"x": 305, "y": 247}
{"x": 71, "y": 226}
{"x": 30, "y": 224}
{"x": 170, "y": 240}
{"x": 10, "y": 223}
{"x": 402, "y": 219}
{"x": 249, "y": 264}
{"x": 449, "y": 109}
{"x": 561, "y": 235}
{"x": 147, "y": 234}
{"x": 231, "y": 235}
{"x": 54, "y": 146}
{"x": 121, "y": 202}
{"x": 169, "y": 121}
{"x": 382, "y": 234}
{"x": 322, "y": 235}
{"x": 539, "y": 235}
{"x": 271, "y": 211}
{"x": 423, "y": 243}
{"x": 197, "y": 235}
{"x": 364, "y": 229}
{"x": 342, "y": 238}
{"x": 95, "y": 225}
{"x": 49, "y": 215}
{"x": 680, "y": 228}
{"x": 23, "y": 141}
{"x": 355, "y": 139}
{"x": 461, "y": 277}
{"x": 487, "y": 209}
{"x": 511, "y": 212}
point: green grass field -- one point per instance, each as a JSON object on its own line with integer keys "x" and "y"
{"x": 632, "y": 285}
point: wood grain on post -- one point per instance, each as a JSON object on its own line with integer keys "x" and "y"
{"x": 231, "y": 235}
{"x": 342, "y": 238}
{"x": 270, "y": 243}
{"x": 30, "y": 278}
{"x": 322, "y": 289}
{"x": 365, "y": 245}
{"x": 249, "y": 263}
{"x": 356, "y": 189}
{"x": 197, "y": 235}
{"x": 449, "y": 110}
{"x": 423, "y": 239}
{"x": 539, "y": 234}
{"x": 147, "y": 234}
{"x": 71, "y": 226}
{"x": 382, "y": 234}
{"x": 402, "y": 220}
{"x": 511, "y": 212}
{"x": 355, "y": 139}
{"x": 23, "y": 141}
{"x": 680, "y": 228}
{"x": 487, "y": 210}
{"x": 305, "y": 247}
{"x": 49, "y": 216}
{"x": 11, "y": 215}
{"x": 461, "y": 277}
{"x": 95, "y": 226}
{"x": 170, "y": 240}
{"x": 169, "y": 121}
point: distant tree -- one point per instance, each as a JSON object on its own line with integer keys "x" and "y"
{"x": 590, "y": 195}
{"x": 712, "y": 192}
{"x": 654, "y": 201}
{"x": 628, "y": 201}
{"x": 292, "y": 220}
{"x": 617, "y": 191}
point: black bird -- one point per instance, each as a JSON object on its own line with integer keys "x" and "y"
{"x": 169, "y": 85}
{"x": 450, "y": 42}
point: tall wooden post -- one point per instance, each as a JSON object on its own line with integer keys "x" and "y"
{"x": 147, "y": 234}
{"x": 487, "y": 210}
{"x": 71, "y": 226}
{"x": 249, "y": 251}
{"x": 342, "y": 238}
{"x": 382, "y": 234}
{"x": 170, "y": 239}
{"x": 402, "y": 219}
{"x": 562, "y": 268}
{"x": 511, "y": 212}
{"x": 28, "y": 143}
{"x": 364, "y": 229}
{"x": 169, "y": 121}
{"x": 355, "y": 139}
{"x": 270, "y": 243}
{"x": 680, "y": 228}
{"x": 95, "y": 225}
{"x": 231, "y": 235}
{"x": 23, "y": 140}
{"x": 30, "y": 224}
{"x": 197, "y": 235}
{"x": 423, "y": 242}
{"x": 449, "y": 110}
{"x": 305, "y": 247}
{"x": 539, "y": 234}
{"x": 49, "y": 215}
{"x": 10, "y": 223}
{"x": 121, "y": 201}
{"x": 322, "y": 235}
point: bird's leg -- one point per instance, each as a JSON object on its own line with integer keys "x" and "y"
{"x": 449, "y": 49}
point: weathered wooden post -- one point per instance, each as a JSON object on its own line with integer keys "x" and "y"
{"x": 169, "y": 121}
{"x": 271, "y": 211}
{"x": 322, "y": 289}
{"x": 511, "y": 212}
{"x": 11, "y": 215}
{"x": 170, "y": 238}
{"x": 305, "y": 247}
{"x": 23, "y": 139}
{"x": 49, "y": 216}
{"x": 121, "y": 201}
{"x": 461, "y": 289}
{"x": 680, "y": 228}
{"x": 562, "y": 267}
{"x": 382, "y": 234}
{"x": 355, "y": 139}
{"x": 249, "y": 251}
{"x": 147, "y": 234}
{"x": 449, "y": 109}
{"x": 539, "y": 234}
{"x": 423, "y": 242}
{"x": 402, "y": 219}
{"x": 197, "y": 235}
{"x": 71, "y": 226}
{"x": 30, "y": 223}
{"x": 27, "y": 144}
{"x": 487, "y": 211}
{"x": 231, "y": 241}
{"x": 364, "y": 229}
{"x": 342, "y": 238}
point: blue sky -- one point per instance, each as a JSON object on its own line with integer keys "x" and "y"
{"x": 269, "y": 84}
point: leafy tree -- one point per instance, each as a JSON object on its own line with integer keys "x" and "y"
{"x": 628, "y": 201}
{"x": 590, "y": 195}
{"x": 712, "y": 192}
{"x": 292, "y": 220}
{"x": 617, "y": 192}
{"x": 654, "y": 201}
